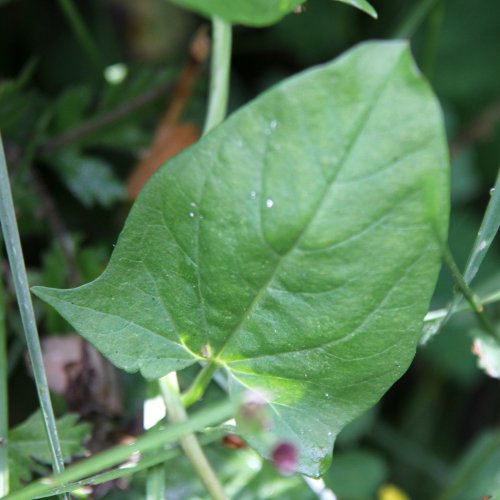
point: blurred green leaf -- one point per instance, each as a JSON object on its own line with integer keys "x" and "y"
{"x": 90, "y": 179}
{"x": 71, "y": 107}
{"x": 356, "y": 475}
{"x": 29, "y": 449}
{"x": 477, "y": 475}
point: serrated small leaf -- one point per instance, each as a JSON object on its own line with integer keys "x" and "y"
{"x": 28, "y": 446}
{"x": 256, "y": 12}
{"x": 89, "y": 179}
{"x": 296, "y": 245}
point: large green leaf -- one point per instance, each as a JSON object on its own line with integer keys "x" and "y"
{"x": 296, "y": 245}
{"x": 257, "y": 12}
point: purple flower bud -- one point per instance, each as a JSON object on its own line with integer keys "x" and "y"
{"x": 284, "y": 458}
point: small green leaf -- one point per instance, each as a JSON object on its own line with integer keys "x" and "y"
{"x": 256, "y": 12}
{"x": 296, "y": 245}
{"x": 90, "y": 179}
{"x": 29, "y": 449}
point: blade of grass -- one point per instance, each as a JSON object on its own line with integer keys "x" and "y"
{"x": 156, "y": 438}
{"x": 4, "y": 416}
{"x": 485, "y": 236}
{"x": 130, "y": 468}
{"x": 20, "y": 279}
{"x": 487, "y": 232}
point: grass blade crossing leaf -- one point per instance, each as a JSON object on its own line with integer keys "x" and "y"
{"x": 296, "y": 245}
{"x": 28, "y": 446}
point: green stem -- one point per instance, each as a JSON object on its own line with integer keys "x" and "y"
{"x": 464, "y": 289}
{"x": 20, "y": 279}
{"x": 4, "y": 416}
{"x": 412, "y": 22}
{"x": 82, "y": 34}
{"x": 177, "y": 414}
{"x": 219, "y": 73}
{"x": 439, "y": 314}
{"x": 155, "y": 483}
{"x": 156, "y": 438}
{"x": 198, "y": 387}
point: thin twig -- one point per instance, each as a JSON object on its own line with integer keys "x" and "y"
{"x": 105, "y": 120}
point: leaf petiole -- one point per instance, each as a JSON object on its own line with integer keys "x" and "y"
{"x": 199, "y": 385}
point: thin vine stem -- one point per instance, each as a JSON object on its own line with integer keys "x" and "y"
{"x": 463, "y": 287}
{"x": 82, "y": 34}
{"x": 219, "y": 73}
{"x": 20, "y": 279}
{"x": 169, "y": 388}
{"x": 4, "y": 416}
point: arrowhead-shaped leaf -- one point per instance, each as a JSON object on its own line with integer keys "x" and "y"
{"x": 257, "y": 12}
{"x": 298, "y": 243}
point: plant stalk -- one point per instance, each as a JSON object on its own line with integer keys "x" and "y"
{"x": 4, "y": 415}
{"x": 20, "y": 279}
{"x": 155, "y": 483}
{"x": 219, "y": 73}
{"x": 463, "y": 287}
{"x": 199, "y": 385}
{"x": 169, "y": 388}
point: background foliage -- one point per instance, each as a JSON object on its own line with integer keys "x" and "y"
{"x": 73, "y": 140}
